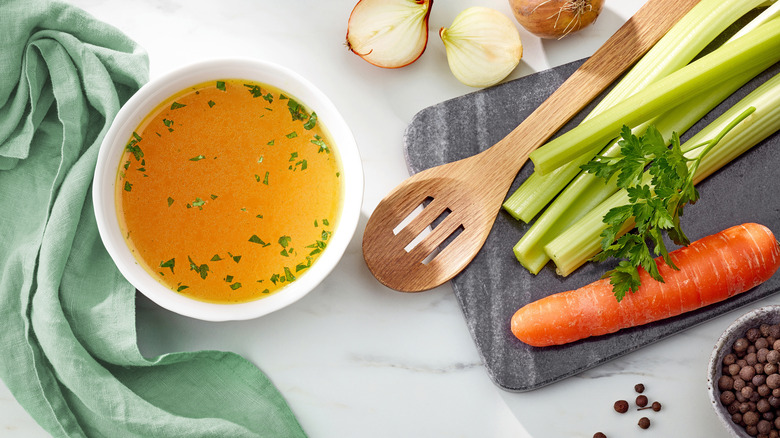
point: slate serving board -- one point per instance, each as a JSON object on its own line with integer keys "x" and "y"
{"x": 494, "y": 285}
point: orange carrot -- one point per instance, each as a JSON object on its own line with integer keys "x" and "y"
{"x": 712, "y": 269}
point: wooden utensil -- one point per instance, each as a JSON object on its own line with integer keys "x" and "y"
{"x": 466, "y": 195}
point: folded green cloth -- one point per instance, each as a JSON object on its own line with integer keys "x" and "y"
{"x": 68, "y": 349}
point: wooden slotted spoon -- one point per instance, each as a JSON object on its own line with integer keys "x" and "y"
{"x": 468, "y": 193}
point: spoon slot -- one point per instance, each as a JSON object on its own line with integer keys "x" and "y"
{"x": 426, "y": 213}
{"x": 411, "y": 216}
{"x": 427, "y": 230}
{"x": 438, "y": 238}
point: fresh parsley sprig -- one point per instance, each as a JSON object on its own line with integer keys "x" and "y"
{"x": 659, "y": 181}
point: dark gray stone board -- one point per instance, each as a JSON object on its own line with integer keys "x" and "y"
{"x": 494, "y": 285}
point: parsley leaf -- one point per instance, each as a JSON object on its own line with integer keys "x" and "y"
{"x": 255, "y": 90}
{"x": 297, "y": 111}
{"x": 312, "y": 122}
{"x": 202, "y": 270}
{"x": 169, "y": 264}
{"x": 658, "y": 180}
{"x": 255, "y": 239}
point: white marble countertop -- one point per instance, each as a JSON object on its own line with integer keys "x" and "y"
{"x": 353, "y": 358}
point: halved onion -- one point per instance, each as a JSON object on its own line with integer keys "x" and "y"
{"x": 389, "y": 33}
{"x": 483, "y": 46}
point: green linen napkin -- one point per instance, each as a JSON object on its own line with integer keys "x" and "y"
{"x": 68, "y": 346}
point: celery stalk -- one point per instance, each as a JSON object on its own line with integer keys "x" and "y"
{"x": 770, "y": 13}
{"x": 586, "y": 191}
{"x": 677, "y": 48}
{"x": 581, "y": 241}
{"x": 760, "y": 47}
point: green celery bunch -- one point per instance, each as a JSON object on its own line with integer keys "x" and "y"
{"x": 698, "y": 28}
{"x": 583, "y": 240}
{"x": 586, "y": 191}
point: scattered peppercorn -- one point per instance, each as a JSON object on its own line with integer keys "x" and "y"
{"x": 621, "y": 406}
{"x": 656, "y": 406}
{"x": 641, "y": 401}
{"x": 644, "y": 422}
{"x": 640, "y": 388}
{"x": 599, "y": 435}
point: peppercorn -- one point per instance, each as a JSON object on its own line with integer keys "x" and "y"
{"x": 656, "y": 406}
{"x": 621, "y": 406}
{"x": 773, "y": 381}
{"x": 726, "y": 397}
{"x": 741, "y": 345}
{"x": 753, "y": 334}
{"x": 761, "y": 343}
{"x": 747, "y": 373}
{"x": 599, "y": 435}
{"x": 773, "y": 356}
{"x": 750, "y": 418}
{"x": 729, "y": 359}
{"x": 725, "y": 383}
{"x": 641, "y": 401}
{"x": 644, "y": 422}
{"x": 640, "y": 388}
{"x": 764, "y": 426}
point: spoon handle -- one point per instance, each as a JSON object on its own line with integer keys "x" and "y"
{"x": 616, "y": 56}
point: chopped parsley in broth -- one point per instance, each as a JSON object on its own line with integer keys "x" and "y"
{"x": 228, "y": 191}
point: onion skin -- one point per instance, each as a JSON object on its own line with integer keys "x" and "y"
{"x": 555, "y": 19}
{"x": 383, "y": 35}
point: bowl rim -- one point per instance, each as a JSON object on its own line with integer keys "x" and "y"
{"x": 148, "y": 97}
{"x": 754, "y": 318}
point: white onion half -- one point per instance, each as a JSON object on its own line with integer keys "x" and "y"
{"x": 483, "y": 46}
{"x": 389, "y": 33}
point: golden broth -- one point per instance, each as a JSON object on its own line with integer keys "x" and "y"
{"x": 228, "y": 190}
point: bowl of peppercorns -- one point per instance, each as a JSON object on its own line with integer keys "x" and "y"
{"x": 744, "y": 375}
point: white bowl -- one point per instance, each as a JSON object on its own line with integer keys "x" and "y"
{"x": 764, "y": 315}
{"x": 146, "y": 99}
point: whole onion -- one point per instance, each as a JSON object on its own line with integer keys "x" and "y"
{"x": 555, "y": 18}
